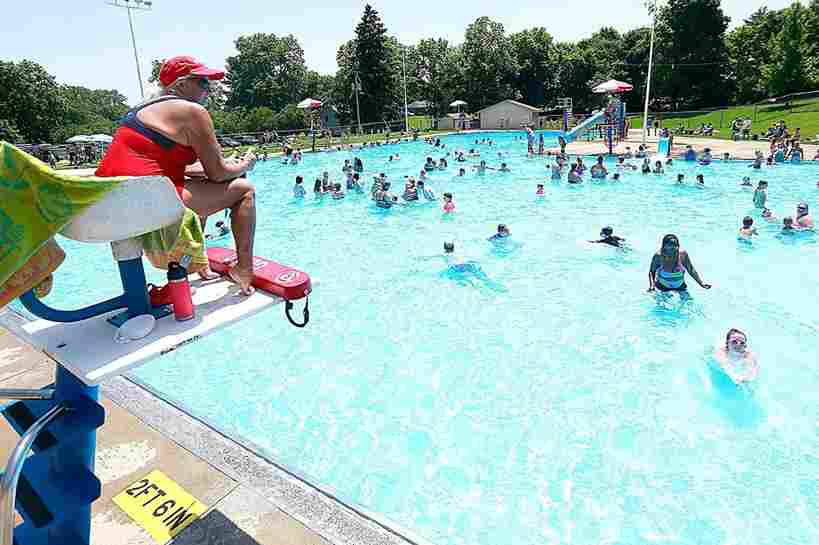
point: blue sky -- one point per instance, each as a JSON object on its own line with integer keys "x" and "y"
{"x": 87, "y": 42}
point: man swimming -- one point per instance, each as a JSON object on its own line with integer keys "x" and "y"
{"x": 503, "y": 233}
{"x": 607, "y": 236}
{"x": 803, "y": 219}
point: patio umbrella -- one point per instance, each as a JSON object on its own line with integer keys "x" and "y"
{"x": 419, "y": 105}
{"x": 613, "y": 86}
{"x": 78, "y": 138}
{"x": 308, "y": 104}
{"x": 458, "y": 104}
{"x": 100, "y": 138}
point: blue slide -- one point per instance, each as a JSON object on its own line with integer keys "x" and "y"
{"x": 664, "y": 147}
{"x": 587, "y": 124}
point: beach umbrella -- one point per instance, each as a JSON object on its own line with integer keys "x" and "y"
{"x": 78, "y": 138}
{"x": 458, "y": 104}
{"x": 613, "y": 86}
{"x": 100, "y": 138}
{"x": 308, "y": 104}
{"x": 419, "y": 105}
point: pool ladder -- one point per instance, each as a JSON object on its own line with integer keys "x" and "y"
{"x": 53, "y": 488}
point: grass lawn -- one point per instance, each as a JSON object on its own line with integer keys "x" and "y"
{"x": 802, "y": 114}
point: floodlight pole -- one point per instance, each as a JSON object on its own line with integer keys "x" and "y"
{"x": 136, "y": 57}
{"x": 128, "y": 5}
{"x": 406, "y": 111}
{"x": 650, "y": 62}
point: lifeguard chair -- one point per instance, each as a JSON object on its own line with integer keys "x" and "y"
{"x": 58, "y": 423}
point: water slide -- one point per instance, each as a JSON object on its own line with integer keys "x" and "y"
{"x": 587, "y": 124}
{"x": 664, "y": 147}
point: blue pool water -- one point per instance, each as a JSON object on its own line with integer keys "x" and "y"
{"x": 547, "y": 400}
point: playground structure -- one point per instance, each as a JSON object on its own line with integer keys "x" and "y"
{"x": 609, "y": 122}
{"x": 49, "y": 478}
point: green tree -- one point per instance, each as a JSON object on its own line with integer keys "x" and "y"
{"x": 89, "y": 111}
{"x": 785, "y": 74}
{"x": 268, "y": 71}
{"x": 372, "y": 60}
{"x": 432, "y": 73}
{"x": 635, "y": 49}
{"x": 30, "y": 101}
{"x": 318, "y": 86}
{"x": 536, "y": 61}
{"x": 810, "y": 44}
{"x": 9, "y": 132}
{"x": 692, "y": 55}
{"x": 488, "y": 67}
{"x": 575, "y": 72}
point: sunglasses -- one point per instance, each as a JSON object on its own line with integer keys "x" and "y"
{"x": 738, "y": 342}
{"x": 204, "y": 83}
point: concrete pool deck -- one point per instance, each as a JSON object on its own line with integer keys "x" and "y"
{"x": 251, "y": 500}
{"x": 743, "y": 149}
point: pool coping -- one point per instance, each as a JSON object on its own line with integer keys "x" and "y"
{"x": 317, "y": 506}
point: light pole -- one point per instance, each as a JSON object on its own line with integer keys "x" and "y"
{"x": 406, "y": 111}
{"x": 144, "y": 5}
{"x": 650, "y": 61}
{"x": 357, "y": 87}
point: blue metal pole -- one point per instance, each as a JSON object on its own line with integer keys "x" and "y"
{"x": 72, "y": 455}
{"x": 133, "y": 282}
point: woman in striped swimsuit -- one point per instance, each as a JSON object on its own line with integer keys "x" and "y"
{"x": 668, "y": 267}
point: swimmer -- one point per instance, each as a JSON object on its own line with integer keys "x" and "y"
{"x": 746, "y": 182}
{"x": 787, "y": 225}
{"x": 504, "y": 168}
{"x": 616, "y": 177}
{"x": 598, "y": 170}
{"x": 442, "y": 164}
{"x": 426, "y": 191}
{"x": 317, "y": 190}
{"x": 803, "y": 219}
{"x": 705, "y": 158}
{"x": 221, "y": 230}
{"x": 430, "y": 164}
{"x": 422, "y": 175}
{"x": 607, "y": 236}
{"x": 410, "y": 191}
{"x": 337, "y": 192}
{"x": 461, "y": 172}
{"x": 557, "y": 170}
{"x": 747, "y": 230}
{"x": 383, "y": 198}
{"x": 539, "y": 190}
{"x": 326, "y": 186}
{"x": 298, "y": 189}
{"x": 761, "y": 194}
{"x": 347, "y": 166}
{"x": 690, "y": 154}
{"x": 658, "y": 167}
{"x": 758, "y": 159}
{"x": 726, "y": 156}
{"x": 735, "y": 359}
{"x": 503, "y": 232}
{"x": 680, "y": 179}
{"x": 646, "y": 168}
{"x": 669, "y": 162}
{"x": 481, "y": 168}
{"x": 668, "y": 268}
{"x": 355, "y": 185}
{"x": 449, "y": 204}
{"x": 574, "y": 176}
{"x": 628, "y": 154}
{"x": 700, "y": 181}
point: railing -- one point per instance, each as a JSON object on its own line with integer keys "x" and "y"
{"x": 11, "y": 476}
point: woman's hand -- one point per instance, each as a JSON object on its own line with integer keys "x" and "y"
{"x": 706, "y": 286}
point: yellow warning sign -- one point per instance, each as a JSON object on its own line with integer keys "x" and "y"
{"x": 159, "y": 505}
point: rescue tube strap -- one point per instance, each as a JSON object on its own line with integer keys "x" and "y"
{"x": 288, "y": 306}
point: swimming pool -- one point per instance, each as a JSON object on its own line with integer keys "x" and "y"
{"x": 550, "y": 401}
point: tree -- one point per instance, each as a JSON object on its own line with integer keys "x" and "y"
{"x": 89, "y": 111}
{"x": 431, "y": 72}
{"x": 372, "y": 60}
{"x": 487, "y": 64}
{"x": 536, "y": 60}
{"x": 635, "y": 51}
{"x": 693, "y": 62}
{"x": 748, "y": 51}
{"x": 318, "y": 86}
{"x": 30, "y": 101}
{"x": 268, "y": 71}
{"x": 785, "y": 74}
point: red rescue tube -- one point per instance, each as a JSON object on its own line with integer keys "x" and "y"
{"x": 288, "y": 283}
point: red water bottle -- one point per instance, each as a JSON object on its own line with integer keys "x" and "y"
{"x": 180, "y": 292}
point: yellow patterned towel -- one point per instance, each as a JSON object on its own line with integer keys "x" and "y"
{"x": 36, "y": 203}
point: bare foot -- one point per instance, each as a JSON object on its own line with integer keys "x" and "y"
{"x": 207, "y": 274}
{"x": 243, "y": 277}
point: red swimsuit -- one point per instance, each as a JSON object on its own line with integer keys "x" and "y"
{"x": 138, "y": 150}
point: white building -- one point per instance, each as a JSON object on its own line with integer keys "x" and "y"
{"x": 508, "y": 114}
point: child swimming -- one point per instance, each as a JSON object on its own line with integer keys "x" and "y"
{"x": 298, "y": 189}
{"x": 747, "y": 230}
{"x": 735, "y": 359}
{"x": 607, "y": 236}
{"x": 539, "y": 190}
{"x": 449, "y": 204}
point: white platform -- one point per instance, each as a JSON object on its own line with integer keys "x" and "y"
{"x": 88, "y": 350}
